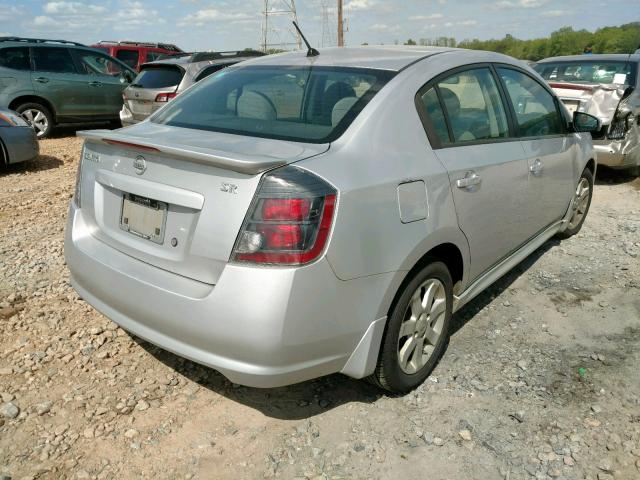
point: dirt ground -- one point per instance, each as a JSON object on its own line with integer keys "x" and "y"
{"x": 541, "y": 378}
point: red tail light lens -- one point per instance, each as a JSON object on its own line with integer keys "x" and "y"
{"x": 286, "y": 208}
{"x": 289, "y": 221}
{"x": 165, "y": 97}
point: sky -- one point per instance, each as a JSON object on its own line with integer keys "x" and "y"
{"x": 228, "y": 25}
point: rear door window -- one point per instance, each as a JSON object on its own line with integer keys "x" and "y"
{"x": 53, "y": 59}
{"x": 159, "y": 77}
{"x": 305, "y": 104}
{"x": 212, "y": 69}
{"x": 16, "y": 58}
{"x": 535, "y": 108}
{"x": 473, "y": 109}
{"x": 128, "y": 57}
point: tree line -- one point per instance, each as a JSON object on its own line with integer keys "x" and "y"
{"x": 566, "y": 41}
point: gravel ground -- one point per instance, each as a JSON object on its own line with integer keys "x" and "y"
{"x": 540, "y": 380}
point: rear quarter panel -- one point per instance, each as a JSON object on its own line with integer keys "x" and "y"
{"x": 384, "y": 147}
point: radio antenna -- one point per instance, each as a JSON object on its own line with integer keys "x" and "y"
{"x": 311, "y": 52}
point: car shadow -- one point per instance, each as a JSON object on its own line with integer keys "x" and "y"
{"x": 308, "y": 399}
{"x": 40, "y": 163}
{"x": 610, "y": 176}
{"x": 294, "y": 402}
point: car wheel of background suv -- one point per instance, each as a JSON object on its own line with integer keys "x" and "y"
{"x": 38, "y": 116}
{"x": 417, "y": 330}
{"x": 580, "y": 205}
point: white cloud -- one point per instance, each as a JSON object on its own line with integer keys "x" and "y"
{"x": 10, "y": 12}
{"x": 520, "y": 3}
{"x": 555, "y": 13}
{"x": 433, "y": 16}
{"x": 72, "y": 8}
{"x": 209, "y": 15}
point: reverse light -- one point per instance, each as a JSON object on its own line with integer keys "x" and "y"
{"x": 289, "y": 220}
{"x": 165, "y": 97}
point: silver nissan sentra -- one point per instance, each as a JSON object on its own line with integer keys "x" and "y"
{"x": 299, "y": 215}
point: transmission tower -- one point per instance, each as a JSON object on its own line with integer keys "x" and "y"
{"x": 328, "y": 32}
{"x": 277, "y": 29}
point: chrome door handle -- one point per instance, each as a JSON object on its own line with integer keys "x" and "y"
{"x": 536, "y": 167}
{"x": 469, "y": 180}
{"x": 95, "y": 84}
{"x": 42, "y": 80}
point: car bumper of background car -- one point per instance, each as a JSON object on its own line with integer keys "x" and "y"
{"x": 20, "y": 143}
{"x": 126, "y": 117}
{"x": 623, "y": 153}
{"x": 258, "y": 326}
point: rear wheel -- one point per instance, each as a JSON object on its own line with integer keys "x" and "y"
{"x": 580, "y": 205}
{"x": 417, "y": 330}
{"x": 38, "y": 116}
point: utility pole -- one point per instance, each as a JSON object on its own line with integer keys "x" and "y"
{"x": 340, "y": 25}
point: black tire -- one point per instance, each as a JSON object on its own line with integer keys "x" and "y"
{"x": 115, "y": 124}
{"x": 43, "y": 129}
{"x": 635, "y": 171}
{"x": 571, "y": 230}
{"x": 388, "y": 374}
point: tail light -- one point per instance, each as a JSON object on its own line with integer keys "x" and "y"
{"x": 289, "y": 220}
{"x": 165, "y": 97}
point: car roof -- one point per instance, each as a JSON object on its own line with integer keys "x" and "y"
{"x": 593, "y": 57}
{"x": 387, "y": 57}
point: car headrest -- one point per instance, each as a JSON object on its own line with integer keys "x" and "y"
{"x": 341, "y": 108}
{"x": 255, "y": 105}
{"x": 451, "y": 100}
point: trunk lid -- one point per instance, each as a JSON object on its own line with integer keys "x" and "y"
{"x": 599, "y": 100}
{"x": 196, "y": 186}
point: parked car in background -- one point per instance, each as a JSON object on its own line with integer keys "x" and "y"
{"x": 18, "y": 141}
{"x": 54, "y": 81}
{"x": 162, "y": 80}
{"x": 134, "y": 54}
{"x": 300, "y": 215}
{"x": 607, "y": 86}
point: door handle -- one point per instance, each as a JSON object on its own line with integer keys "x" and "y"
{"x": 41, "y": 79}
{"x": 536, "y": 167}
{"x": 95, "y": 84}
{"x": 469, "y": 180}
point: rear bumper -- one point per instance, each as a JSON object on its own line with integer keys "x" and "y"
{"x": 261, "y": 327}
{"x": 618, "y": 153}
{"x": 126, "y": 117}
{"x": 20, "y": 143}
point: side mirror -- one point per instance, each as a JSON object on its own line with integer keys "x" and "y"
{"x": 128, "y": 77}
{"x": 583, "y": 122}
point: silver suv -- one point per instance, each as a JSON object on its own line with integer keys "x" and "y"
{"x": 299, "y": 215}
{"x": 160, "y": 81}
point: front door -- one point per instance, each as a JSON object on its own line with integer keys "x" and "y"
{"x": 548, "y": 147}
{"x": 107, "y": 79}
{"x": 486, "y": 164}
{"x": 56, "y": 78}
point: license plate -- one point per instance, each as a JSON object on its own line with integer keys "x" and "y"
{"x": 571, "y": 106}
{"x": 143, "y": 217}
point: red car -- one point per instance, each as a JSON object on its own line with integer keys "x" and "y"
{"x": 135, "y": 54}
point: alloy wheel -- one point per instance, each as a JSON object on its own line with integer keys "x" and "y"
{"x": 37, "y": 120}
{"x": 580, "y": 203}
{"x": 421, "y": 328}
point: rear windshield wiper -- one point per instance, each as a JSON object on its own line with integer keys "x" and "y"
{"x": 136, "y": 85}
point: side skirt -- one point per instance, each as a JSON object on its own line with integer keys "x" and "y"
{"x": 505, "y": 265}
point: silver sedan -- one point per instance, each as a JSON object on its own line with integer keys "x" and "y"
{"x": 18, "y": 140}
{"x": 301, "y": 214}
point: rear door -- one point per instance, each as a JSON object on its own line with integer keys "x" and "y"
{"x": 468, "y": 126}
{"x": 56, "y": 78}
{"x": 548, "y": 147}
{"x": 106, "y": 78}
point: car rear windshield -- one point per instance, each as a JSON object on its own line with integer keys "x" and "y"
{"x": 303, "y": 104}
{"x": 589, "y": 71}
{"x": 158, "y": 77}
